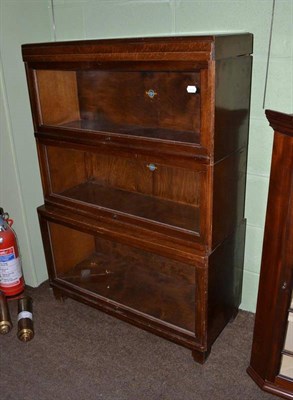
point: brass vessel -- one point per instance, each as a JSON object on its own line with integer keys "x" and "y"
{"x": 25, "y": 331}
{"x": 5, "y": 320}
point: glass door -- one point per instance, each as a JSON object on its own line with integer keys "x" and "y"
{"x": 155, "y": 105}
{"x": 134, "y": 279}
{"x": 142, "y": 190}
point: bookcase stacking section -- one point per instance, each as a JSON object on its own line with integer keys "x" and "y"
{"x": 141, "y": 190}
{"x": 137, "y": 103}
{"x": 142, "y": 147}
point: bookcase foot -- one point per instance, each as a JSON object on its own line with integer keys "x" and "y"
{"x": 234, "y": 315}
{"x": 59, "y": 295}
{"x": 200, "y": 356}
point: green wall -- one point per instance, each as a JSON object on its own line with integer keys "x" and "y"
{"x": 24, "y": 21}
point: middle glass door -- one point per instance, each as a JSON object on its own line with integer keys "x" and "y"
{"x": 133, "y": 187}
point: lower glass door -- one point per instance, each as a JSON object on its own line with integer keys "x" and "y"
{"x": 144, "y": 282}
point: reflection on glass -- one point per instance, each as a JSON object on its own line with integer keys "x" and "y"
{"x": 287, "y": 358}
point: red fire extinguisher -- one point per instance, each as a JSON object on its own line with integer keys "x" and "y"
{"x": 11, "y": 278}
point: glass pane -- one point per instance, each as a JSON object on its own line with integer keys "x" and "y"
{"x": 143, "y": 281}
{"x": 287, "y": 357}
{"x": 149, "y": 191}
{"x": 157, "y": 105}
{"x": 289, "y": 336}
{"x": 287, "y": 366}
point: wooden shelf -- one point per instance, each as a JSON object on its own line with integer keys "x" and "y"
{"x": 132, "y": 130}
{"x": 152, "y": 208}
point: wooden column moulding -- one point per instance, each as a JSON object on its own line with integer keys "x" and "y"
{"x": 271, "y": 364}
{"x": 142, "y": 146}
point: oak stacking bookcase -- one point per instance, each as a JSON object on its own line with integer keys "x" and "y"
{"x": 142, "y": 146}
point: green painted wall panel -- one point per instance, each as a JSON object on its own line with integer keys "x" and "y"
{"x": 22, "y": 21}
{"x": 260, "y": 146}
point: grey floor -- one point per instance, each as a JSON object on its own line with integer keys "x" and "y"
{"x": 81, "y": 353}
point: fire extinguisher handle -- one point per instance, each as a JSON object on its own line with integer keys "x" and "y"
{"x": 6, "y": 218}
{"x": 4, "y": 215}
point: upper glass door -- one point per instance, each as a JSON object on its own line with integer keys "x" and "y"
{"x": 150, "y": 104}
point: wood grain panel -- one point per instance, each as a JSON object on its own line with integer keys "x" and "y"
{"x": 177, "y": 184}
{"x": 135, "y": 49}
{"x": 232, "y": 101}
{"x": 225, "y": 281}
{"x": 228, "y": 195}
{"x": 122, "y": 173}
{"x": 67, "y": 168}
{"x": 60, "y": 86}
{"x": 69, "y": 247}
{"x": 121, "y": 98}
